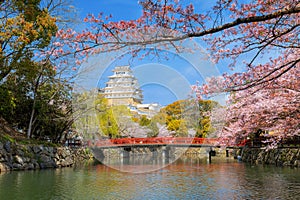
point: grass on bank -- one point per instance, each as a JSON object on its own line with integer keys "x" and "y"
{"x": 7, "y": 133}
{"x": 4, "y": 137}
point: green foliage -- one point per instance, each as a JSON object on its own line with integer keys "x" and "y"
{"x": 34, "y": 87}
{"x": 32, "y": 97}
{"x": 7, "y": 101}
{"x": 5, "y": 137}
{"x": 97, "y": 119}
{"x": 179, "y": 126}
{"x": 120, "y": 118}
{"x": 26, "y": 27}
{"x": 37, "y": 142}
{"x": 89, "y": 107}
{"x": 207, "y": 105}
{"x": 154, "y": 130}
{"x": 160, "y": 117}
{"x": 174, "y": 124}
{"x": 176, "y": 117}
{"x": 182, "y": 115}
{"x": 205, "y": 127}
{"x": 108, "y": 123}
{"x": 144, "y": 121}
{"x": 87, "y": 151}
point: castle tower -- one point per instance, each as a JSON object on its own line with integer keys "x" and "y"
{"x": 122, "y": 88}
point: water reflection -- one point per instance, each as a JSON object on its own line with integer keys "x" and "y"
{"x": 145, "y": 163}
{"x": 138, "y": 163}
{"x": 185, "y": 178}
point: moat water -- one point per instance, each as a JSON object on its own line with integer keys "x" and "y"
{"x": 186, "y": 178}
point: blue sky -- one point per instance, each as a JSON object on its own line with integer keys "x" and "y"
{"x": 120, "y": 9}
{"x": 126, "y": 9}
{"x": 162, "y": 81}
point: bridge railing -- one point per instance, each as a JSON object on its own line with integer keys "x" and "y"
{"x": 154, "y": 140}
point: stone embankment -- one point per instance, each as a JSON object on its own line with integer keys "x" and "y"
{"x": 156, "y": 151}
{"x": 15, "y": 156}
{"x": 279, "y": 157}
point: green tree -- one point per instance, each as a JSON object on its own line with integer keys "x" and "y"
{"x": 88, "y": 108}
{"x": 108, "y": 124}
{"x": 144, "y": 121}
{"x": 121, "y": 114}
{"x": 113, "y": 121}
{"x": 157, "y": 120}
{"x": 36, "y": 100}
{"x": 205, "y": 127}
{"x": 176, "y": 118}
{"x": 184, "y": 115}
{"x": 160, "y": 118}
{"x": 25, "y": 27}
{"x": 154, "y": 130}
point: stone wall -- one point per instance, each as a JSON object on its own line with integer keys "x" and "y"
{"x": 278, "y": 157}
{"x": 15, "y": 156}
{"x": 118, "y": 152}
{"x": 220, "y": 152}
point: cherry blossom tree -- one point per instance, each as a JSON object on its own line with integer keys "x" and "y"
{"x": 274, "y": 108}
{"x": 254, "y": 28}
{"x": 259, "y": 36}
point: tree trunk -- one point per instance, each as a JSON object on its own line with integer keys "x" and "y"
{"x": 29, "y": 131}
{"x": 31, "y": 119}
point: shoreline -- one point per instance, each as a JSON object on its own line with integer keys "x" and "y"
{"x": 14, "y": 156}
{"x": 281, "y": 157}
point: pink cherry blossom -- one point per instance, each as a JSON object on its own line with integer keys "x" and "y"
{"x": 259, "y": 36}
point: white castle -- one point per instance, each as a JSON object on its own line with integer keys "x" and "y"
{"x": 123, "y": 88}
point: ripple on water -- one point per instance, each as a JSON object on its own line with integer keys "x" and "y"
{"x": 180, "y": 180}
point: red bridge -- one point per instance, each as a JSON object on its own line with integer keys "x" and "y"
{"x": 156, "y": 141}
{"x": 125, "y": 145}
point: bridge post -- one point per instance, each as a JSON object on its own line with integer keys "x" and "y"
{"x": 124, "y": 153}
{"x": 154, "y": 152}
{"x": 165, "y": 154}
{"x": 227, "y": 153}
{"x": 124, "y": 156}
{"x": 211, "y": 153}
